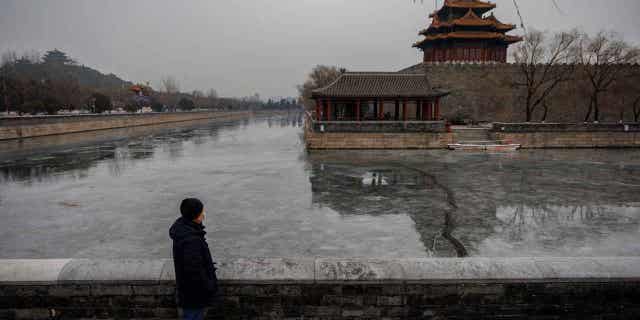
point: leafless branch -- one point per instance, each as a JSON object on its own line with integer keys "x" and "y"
{"x": 544, "y": 64}
{"x": 604, "y": 59}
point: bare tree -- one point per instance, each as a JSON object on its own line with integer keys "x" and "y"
{"x": 636, "y": 109}
{"x": 7, "y": 61}
{"x": 33, "y": 56}
{"x": 544, "y": 64}
{"x": 8, "y": 57}
{"x": 198, "y": 98}
{"x": 171, "y": 88}
{"x": 604, "y": 58}
{"x": 212, "y": 97}
{"x": 170, "y": 85}
{"x": 319, "y": 77}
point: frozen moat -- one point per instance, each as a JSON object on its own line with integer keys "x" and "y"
{"x": 114, "y": 193}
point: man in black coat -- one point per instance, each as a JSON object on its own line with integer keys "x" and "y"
{"x": 196, "y": 281}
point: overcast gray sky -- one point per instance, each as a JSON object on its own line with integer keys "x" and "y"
{"x": 240, "y": 47}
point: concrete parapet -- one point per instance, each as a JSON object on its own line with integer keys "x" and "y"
{"x": 36, "y": 270}
{"x": 329, "y": 288}
{"x": 328, "y": 269}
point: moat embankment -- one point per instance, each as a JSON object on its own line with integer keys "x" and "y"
{"x": 394, "y": 135}
{"x": 28, "y": 127}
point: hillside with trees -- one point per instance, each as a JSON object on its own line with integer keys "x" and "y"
{"x": 46, "y": 84}
{"x": 55, "y": 83}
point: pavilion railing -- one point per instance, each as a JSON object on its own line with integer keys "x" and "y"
{"x": 382, "y": 126}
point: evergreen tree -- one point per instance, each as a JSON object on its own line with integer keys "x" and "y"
{"x": 186, "y": 104}
{"x": 101, "y": 103}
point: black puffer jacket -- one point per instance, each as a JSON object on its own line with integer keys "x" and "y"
{"x": 195, "y": 270}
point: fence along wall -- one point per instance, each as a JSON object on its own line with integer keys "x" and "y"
{"x": 330, "y": 288}
{"x": 27, "y": 127}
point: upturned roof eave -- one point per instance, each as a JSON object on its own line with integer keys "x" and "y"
{"x": 509, "y": 39}
{"x": 435, "y": 94}
{"x": 468, "y": 5}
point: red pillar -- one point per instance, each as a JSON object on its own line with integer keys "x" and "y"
{"x": 404, "y": 110}
{"x": 318, "y": 104}
{"x": 328, "y": 110}
{"x": 380, "y": 107}
{"x": 426, "y": 107}
{"x": 428, "y": 110}
{"x": 437, "y": 111}
{"x": 358, "y": 110}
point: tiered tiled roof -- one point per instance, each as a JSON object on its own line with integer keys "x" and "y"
{"x": 470, "y": 19}
{"x": 478, "y": 5}
{"x": 470, "y": 35}
{"x": 499, "y": 25}
{"x": 379, "y": 85}
{"x": 450, "y": 22}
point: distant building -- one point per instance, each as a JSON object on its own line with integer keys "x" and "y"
{"x": 461, "y": 32}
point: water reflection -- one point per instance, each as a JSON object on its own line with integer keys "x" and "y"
{"x": 113, "y": 193}
{"x": 532, "y": 203}
{"x": 44, "y": 159}
{"x": 391, "y": 189}
{"x": 288, "y": 119}
{"x": 76, "y": 153}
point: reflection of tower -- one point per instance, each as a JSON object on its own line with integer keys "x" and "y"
{"x": 362, "y": 187}
{"x": 538, "y": 203}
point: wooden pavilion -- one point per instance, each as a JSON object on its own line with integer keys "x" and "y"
{"x": 378, "y": 97}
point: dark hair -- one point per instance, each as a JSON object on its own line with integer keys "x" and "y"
{"x": 191, "y": 208}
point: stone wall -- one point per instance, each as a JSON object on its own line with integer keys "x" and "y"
{"x": 568, "y": 135}
{"x": 26, "y": 127}
{"x": 486, "y": 92}
{"x": 315, "y": 139}
{"x": 531, "y": 288}
{"x": 368, "y": 140}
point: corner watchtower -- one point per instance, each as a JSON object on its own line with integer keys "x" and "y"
{"x": 462, "y": 31}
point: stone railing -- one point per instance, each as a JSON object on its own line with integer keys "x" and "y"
{"x": 379, "y": 126}
{"x": 373, "y": 126}
{"x": 329, "y": 288}
{"x": 569, "y": 135}
{"x": 565, "y": 127}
